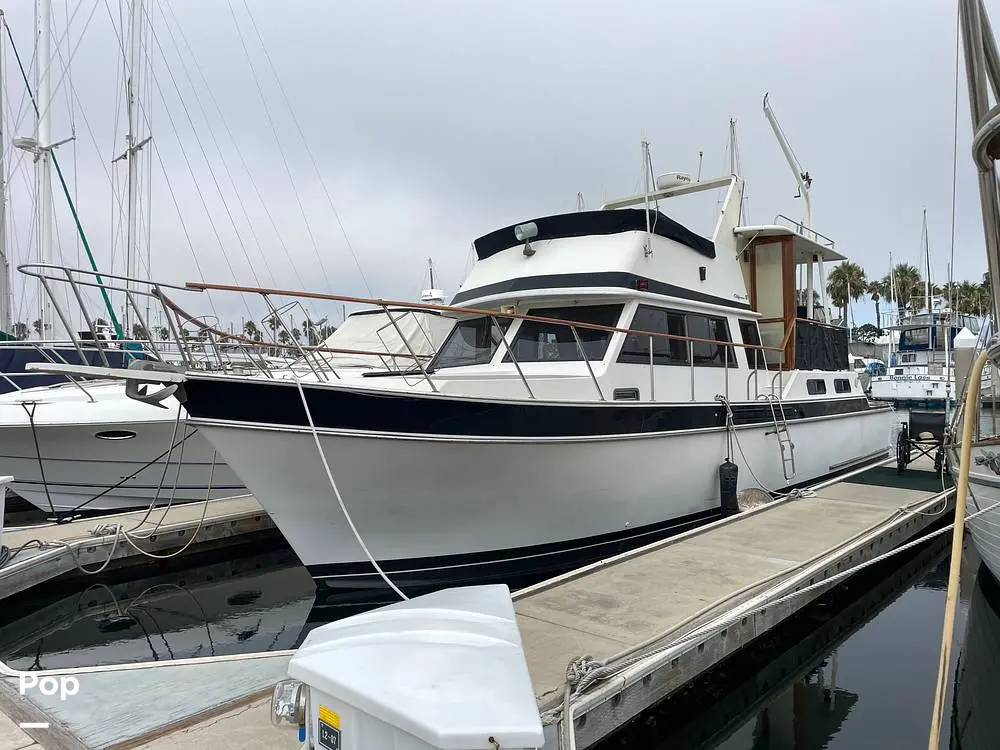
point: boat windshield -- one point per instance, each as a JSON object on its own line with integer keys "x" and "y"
{"x": 471, "y": 342}
{"x": 538, "y": 341}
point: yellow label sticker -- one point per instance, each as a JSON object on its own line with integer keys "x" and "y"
{"x": 329, "y": 717}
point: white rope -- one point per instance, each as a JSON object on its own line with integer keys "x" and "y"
{"x": 340, "y": 500}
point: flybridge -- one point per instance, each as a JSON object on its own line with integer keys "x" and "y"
{"x": 611, "y": 219}
{"x": 591, "y": 223}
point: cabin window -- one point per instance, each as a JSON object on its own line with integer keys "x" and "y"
{"x": 842, "y": 385}
{"x": 909, "y": 357}
{"x": 816, "y": 387}
{"x": 665, "y": 351}
{"x": 554, "y": 342}
{"x": 675, "y": 351}
{"x": 751, "y": 336}
{"x": 471, "y": 342}
{"x": 711, "y": 330}
{"x": 915, "y": 338}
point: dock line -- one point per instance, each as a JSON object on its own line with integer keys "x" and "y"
{"x": 336, "y": 492}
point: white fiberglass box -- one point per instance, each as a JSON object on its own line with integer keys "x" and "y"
{"x": 444, "y": 671}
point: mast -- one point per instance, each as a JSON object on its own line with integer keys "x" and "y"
{"x": 132, "y": 150}
{"x": 927, "y": 261}
{"x": 5, "y": 301}
{"x": 43, "y": 155}
{"x": 927, "y": 292}
{"x": 430, "y": 268}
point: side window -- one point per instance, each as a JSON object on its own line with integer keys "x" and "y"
{"x": 665, "y": 351}
{"x": 538, "y": 341}
{"x": 711, "y": 330}
{"x": 751, "y": 336}
{"x": 842, "y": 385}
{"x": 816, "y": 387}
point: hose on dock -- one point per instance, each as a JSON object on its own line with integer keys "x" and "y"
{"x": 951, "y": 601}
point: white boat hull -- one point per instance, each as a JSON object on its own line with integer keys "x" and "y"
{"x": 99, "y": 455}
{"x": 983, "y": 505}
{"x": 442, "y": 510}
{"x": 914, "y": 389}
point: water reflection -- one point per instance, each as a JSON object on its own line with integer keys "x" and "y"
{"x": 256, "y": 603}
{"x": 975, "y": 715}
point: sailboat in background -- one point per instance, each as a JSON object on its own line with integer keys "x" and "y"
{"x": 98, "y": 345}
{"x": 921, "y": 372}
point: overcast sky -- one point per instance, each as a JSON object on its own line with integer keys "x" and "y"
{"x": 427, "y": 124}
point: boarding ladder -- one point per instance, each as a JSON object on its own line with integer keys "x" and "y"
{"x": 785, "y": 444}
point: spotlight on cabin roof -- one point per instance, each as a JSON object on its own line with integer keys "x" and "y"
{"x": 525, "y": 232}
{"x": 672, "y": 180}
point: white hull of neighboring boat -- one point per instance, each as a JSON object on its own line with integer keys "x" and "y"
{"x": 89, "y": 447}
{"x": 984, "y": 495}
{"x": 445, "y": 510}
{"x": 905, "y": 389}
{"x": 71, "y": 482}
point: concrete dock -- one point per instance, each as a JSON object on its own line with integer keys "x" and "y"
{"x": 44, "y": 552}
{"x": 699, "y": 597}
{"x": 691, "y": 600}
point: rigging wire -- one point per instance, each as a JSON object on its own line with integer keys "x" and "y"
{"x": 205, "y": 157}
{"x": 281, "y": 150}
{"x": 954, "y": 160}
{"x": 239, "y": 152}
{"x": 308, "y": 151}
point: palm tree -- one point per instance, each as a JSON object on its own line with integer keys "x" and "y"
{"x": 983, "y": 298}
{"x": 909, "y": 288}
{"x": 312, "y": 329}
{"x": 250, "y": 330}
{"x": 845, "y": 284}
{"x": 164, "y": 333}
{"x": 20, "y": 331}
{"x": 879, "y": 289}
{"x": 966, "y": 298}
{"x": 274, "y": 323}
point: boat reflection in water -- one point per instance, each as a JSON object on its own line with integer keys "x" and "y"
{"x": 975, "y": 713}
{"x": 250, "y": 604}
{"x": 783, "y": 693}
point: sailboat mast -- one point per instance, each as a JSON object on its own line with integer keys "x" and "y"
{"x": 43, "y": 162}
{"x": 927, "y": 261}
{"x": 132, "y": 144}
{"x": 430, "y": 268}
{"x": 5, "y": 302}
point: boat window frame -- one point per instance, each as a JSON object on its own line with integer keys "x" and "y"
{"x": 813, "y": 386}
{"x": 546, "y": 312}
{"x": 633, "y": 358}
{"x": 505, "y": 324}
